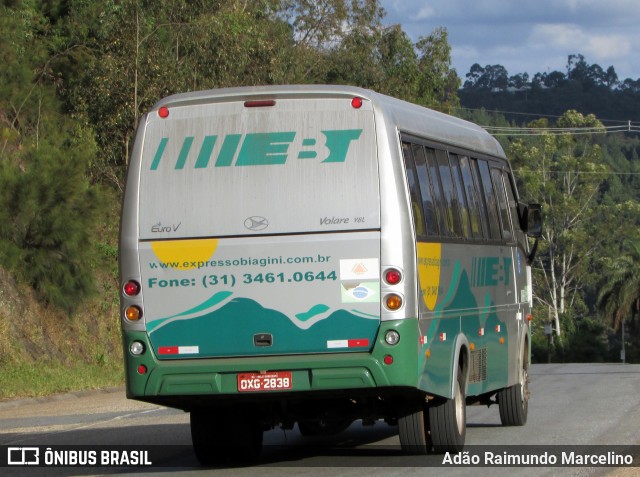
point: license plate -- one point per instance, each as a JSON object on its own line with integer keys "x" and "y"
{"x": 274, "y": 381}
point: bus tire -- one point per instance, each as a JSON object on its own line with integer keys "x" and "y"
{"x": 513, "y": 402}
{"x": 225, "y": 436}
{"x": 447, "y": 420}
{"x": 207, "y": 438}
{"x": 412, "y": 430}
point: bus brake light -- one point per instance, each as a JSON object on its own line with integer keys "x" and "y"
{"x": 131, "y": 288}
{"x": 393, "y": 276}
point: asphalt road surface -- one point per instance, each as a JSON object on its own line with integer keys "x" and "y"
{"x": 571, "y": 405}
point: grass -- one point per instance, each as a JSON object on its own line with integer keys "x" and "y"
{"x": 19, "y": 380}
{"x": 44, "y": 350}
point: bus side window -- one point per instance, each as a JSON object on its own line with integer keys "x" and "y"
{"x": 460, "y": 192}
{"x": 490, "y": 200}
{"x": 513, "y": 207}
{"x": 451, "y": 209}
{"x": 472, "y": 198}
{"x": 443, "y": 218}
{"x": 428, "y": 203}
{"x": 482, "y": 206}
{"x": 412, "y": 181}
{"x": 502, "y": 203}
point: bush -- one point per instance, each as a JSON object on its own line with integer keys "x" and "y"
{"x": 50, "y": 210}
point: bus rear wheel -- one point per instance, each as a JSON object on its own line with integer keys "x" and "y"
{"x": 447, "y": 420}
{"x": 412, "y": 429}
{"x": 513, "y": 402}
{"x": 223, "y": 436}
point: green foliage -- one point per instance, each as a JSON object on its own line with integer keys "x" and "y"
{"x": 585, "y": 88}
{"x": 563, "y": 173}
{"x": 619, "y": 289}
{"x": 52, "y": 209}
{"x": 47, "y": 206}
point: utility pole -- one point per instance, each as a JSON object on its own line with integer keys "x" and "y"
{"x": 622, "y": 354}
{"x": 548, "y": 330}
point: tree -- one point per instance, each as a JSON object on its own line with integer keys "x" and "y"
{"x": 619, "y": 288}
{"x": 577, "y": 68}
{"x": 47, "y": 207}
{"x": 438, "y": 83}
{"x": 133, "y": 53}
{"x": 385, "y": 59}
{"x": 519, "y": 81}
{"x": 489, "y": 78}
{"x": 563, "y": 173}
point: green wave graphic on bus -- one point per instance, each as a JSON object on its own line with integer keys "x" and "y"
{"x": 453, "y": 317}
{"x": 229, "y": 329}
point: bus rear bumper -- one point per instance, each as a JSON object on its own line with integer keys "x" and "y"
{"x": 150, "y": 379}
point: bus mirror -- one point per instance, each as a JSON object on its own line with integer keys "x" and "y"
{"x": 534, "y": 220}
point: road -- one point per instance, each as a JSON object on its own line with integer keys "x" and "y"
{"x": 571, "y": 404}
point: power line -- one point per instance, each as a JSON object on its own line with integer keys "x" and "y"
{"x": 539, "y": 115}
{"x": 525, "y": 131}
{"x": 607, "y": 173}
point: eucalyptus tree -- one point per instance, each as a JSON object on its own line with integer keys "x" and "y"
{"x": 562, "y": 170}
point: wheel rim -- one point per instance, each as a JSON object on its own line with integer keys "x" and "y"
{"x": 524, "y": 385}
{"x": 459, "y": 410}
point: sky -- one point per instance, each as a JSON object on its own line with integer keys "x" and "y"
{"x": 528, "y": 36}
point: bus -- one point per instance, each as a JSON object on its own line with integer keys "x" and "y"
{"x": 312, "y": 256}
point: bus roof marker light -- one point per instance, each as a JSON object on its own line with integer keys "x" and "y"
{"x": 356, "y": 103}
{"x": 259, "y": 103}
{"x": 388, "y": 359}
{"x": 163, "y": 112}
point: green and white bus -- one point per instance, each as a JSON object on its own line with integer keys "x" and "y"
{"x": 316, "y": 255}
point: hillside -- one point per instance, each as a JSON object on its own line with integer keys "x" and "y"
{"x": 586, "y": 88}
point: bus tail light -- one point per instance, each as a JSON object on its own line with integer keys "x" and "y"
{"x": 133, "y": 313}
{"x": 393, "y": 276}
{"x": 131, "y": 288}
{"x": 393, "y": 302}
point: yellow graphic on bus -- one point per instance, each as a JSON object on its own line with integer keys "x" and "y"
{"x": 429, "y": 261}
{"x": 185, "y": 254}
